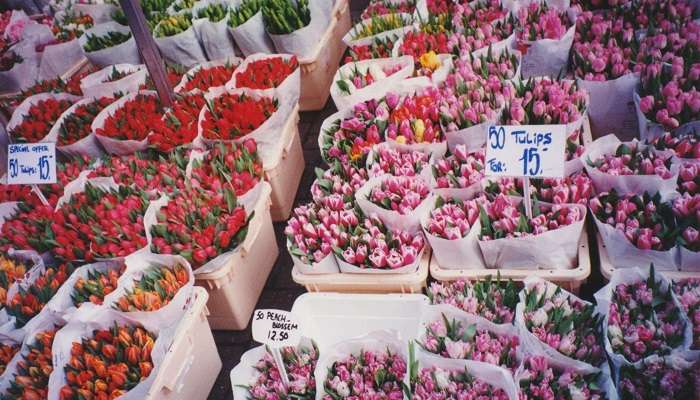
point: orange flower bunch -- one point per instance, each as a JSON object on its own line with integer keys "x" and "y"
{"x": 96, "y": 286}
{"x": 10, "y": 271}
{"x": 109, "y": 364}
{"x": 27, "y": 303}
{"x": 156, "y": 288}
{"x": 7, "y": 351}
{"x": 31, "y": 380}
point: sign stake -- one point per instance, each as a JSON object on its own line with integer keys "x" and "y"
{"x": 528, "y": 199}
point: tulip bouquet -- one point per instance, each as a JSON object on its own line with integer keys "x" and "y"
{"x": 209, "y": 77}
{"x": 459, "y": 169}
{"x": 483, "y": 12}
{"x": 537, "y": 21}
{"x": 29, "y": 300}
{"x": 373, "y": 246}
{"x": 414, "y": 119}
{"x": 678, "y": 48}
{"x": 181, "y": 5}
{"x": 633, "y": 159}
{"x": 111, "y": 39}
{"x": 452, "y": 218}
{"x": 370, "y": 374}
{"x": 493, "y": 299}
{"x": 299, "y": 362}
{"x": 361, "y": 78}
{"x": 455, "y": 339}
{"x": 96, "y": 285}
{"x": 545, "y": 102}
{"x": 379, "y": 48}
{"x": 100, "y": 223}
{"x": 659, "y": 378}
{"x": 341, "y": 178}
{"x": 156, "y": 288}
{"x": 133, "y": 120}
{"x": 200, "y": 225}
{"x": 116, "y": 75}
{"x": 284, "y": 16}
{"x": 243, "y": 12}
{"x": 147, "y": 171}
{"x": 71, "y": 25}
{"x": 213, "y": 12}
{"x": 399, "y": 193}
{"x": 644, "y": 320}
{"x": 503, "y": 65}
{"x": 438, "y": 383}
{"x": 468, "y": 101}
{"x": 576, "y": 188}
{"x": 687, "y": 210}
{"x": 179, "y": 124}
{"x": 39, "y": 119}
{"x": 349, "y": 138}
{"x": 483, "y": 24}
{"x": 232, "y": 116}
{"x": 646, "y": 222}
{"x": 11, "y": 270}
{"x": 266, "y": 73}
{"x": 66, "y": 172}
{"x": 684, "y": 146}
{"x": 562, "y": 322}
{"x": 173, "y": 25}
{"x": 661, "y": 16}
{"x": 314, "y": 230}
{"x": 689, "y": 178}
{"x": 537, "y": 380}
{"x": 601, "y": 51}
{"x": 383, "y": 7}
{"x": 688, "y": 293}
{"x": 78, "y": 125}
{"x": 228, "y": 165}
{"x": 419, "y": 43}
{"x": 379, "y": 24}
{"x": 31, "y": 377}
{"x": 25, "y": 228}
{"x": 7, "y": 351}
{"x": 108, "y": 363}
{"x": 24, "y": 193}
{"x": 396, "y": 162}
{"x": 668, "y": 100}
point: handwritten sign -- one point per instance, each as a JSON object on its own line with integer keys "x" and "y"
{"x": 31, "y": 164}
{"x": 532, "y": 151}
{"x": 276, "y": 328}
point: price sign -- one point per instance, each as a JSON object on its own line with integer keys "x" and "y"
{"x": 530, "y": 151}
{"x": 276, "y": 328}
{"x": 31, "y": 164}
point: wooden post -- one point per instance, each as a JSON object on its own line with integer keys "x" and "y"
{"x": 148, "y": 49}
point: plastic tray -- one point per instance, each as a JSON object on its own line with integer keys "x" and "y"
{"x": 234, "y": 289}
{"x": 569, "y": 279}
{"x": 193, "y": 346}
{"x": 367, "y": 283}
{"x": 318, "y": 70}
{"x": 284, "y": 173}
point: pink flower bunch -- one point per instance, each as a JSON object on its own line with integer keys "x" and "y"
{"x": 540, "y": 381}
{"x": 351, "y": 138}
{"x": 538, "y": 21}
{"x": 482, "y": 24}
{"x": 341, "y": 178}
{"x": 645, "y": 221}
{"x": 671, "y": 100}
{"x": 484, "y": 12}
{"x": 490, "y": 298}
{"x": 436, "y": 383}
{"x": 299, "y": 362}
{"x": 689, "y": 178}
{"x": 662, "y": 16}
{"x": 658, "y": 379}
{"x": 369, "y": 375}
{"x": 453, "y": 218}
{"x": 468, "y": 103}
{"x": 634, "y": 159}
{"x": 682, "y": 146}
{"x": 372, "y": 245}
{"x": 678, "y": 48}
{"x": 687, "y": 210}
{"x": 564, "y": 323}
{"x": 643, "y": 320}
{"x": 361, "y": 79}
{"x": 314, "y": 230}
{"x": 452, "y": 339}
{"x": 437, "y": 7}
{"x": 688, "y": 293}
{"x": 388, "y": 160}
{"x": 382, "y": 7}
{"x": 399, "y": 193}
{"x": 545, "y": 101}
{"x": 459, "y": 169}
{"x": 14, "y": 31}
{"x": 576, "y": 188}
{"x": 505, "y": 218}
{"x": 503, "y": 66}
{"x": 414, "y": 118}
{"x": 598, "y": 53}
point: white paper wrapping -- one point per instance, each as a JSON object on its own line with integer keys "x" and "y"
{"x": 214, "y": 36}
{"x": 612, "y": 106}
{"x": 57, "y": 59}
{"x": 328, "y": 265}
{"x": 251, "y": 36}
{"x": 22, "y": 75}
{"x": 87, "y": 146}
{"x": 304, "y": 41}
{"x": 689, "y": 260}
{"x": 348, "y": 268}
{"x": 547, "y": 56}
{"x": 182, "y": 48}
{"x": 117, "y": 146}
{"x": 96, "y": 85}
{"x": 126, "y": 52}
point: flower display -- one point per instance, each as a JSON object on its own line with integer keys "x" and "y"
{"x": 490, "y": 298}
{"x": 200, "y": 225}
{"x": 341, "y": 178}
{"x": 633, "y": 159}
{"x": 689, "y": 178}
{"x": 460, "y": 169}
{"x": 78, "y": 124}
{"x": 643, "y": 319}
{"x": 71, "y": 25}
{"x": 539, "y": 21}
{"x": 688, "y": 293}
{"x": 368, "y": 374}
{"x": 372, "y": 245}
{"x": 452, "y": 219}
{"x": 179, "y": 124}
{"x": 379, "y": 48}
{"x": 658, "y": 379}
{"x": 228, "y": 165}
{"x": 96, "y": 285}
{"x": 563, "y": 323}
{"x": 576, "y": 188}
{"x": 124, "y": 351}
{"x": 437, "y": 383}
{"x": 299, "y": 362}
{"x": 31, "y": 379}
{"x": 133, "y": 120}
{"x": 28, "y": 302}
{"x": 384, "y": 7}
{"x": 11, "y": 270}
{"x": 414, "y": 119}
{"x": 24, "y": 229}
{"x": 646, "y": 222}
{"x": 452, "y": 339}
{"x": 243, "y": 12}
{"x": 682, "y": 146}
{"x": 351, "y": 138}
{"x": 538, "y": 381}
{"x": 483, "y": 24}
{"x": 267, "y": 73}
{"x": 38, "y": 120}
{"x": 503, "y": 65}
{"x": 232, "y": 116}
{"x": 399, "y": 193}
{"x": 173, "y": 25}
{"x": 544, "y": 102}
{"x": 147, "y": 171}
{"x": 156, "y": 288}
{"x": 687, "y": 210}
{"x": 206, "y": 78}
{"x": 418, "y": 43}
{"x": 602, "y": 50}
{"x": 359, "y": 77}
{"x": 387, "y": 160}
{"x": 663, "y": 16}
{"x": 111, "y": 39}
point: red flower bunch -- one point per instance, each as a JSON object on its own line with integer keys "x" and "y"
{"x": 134, "y": 120}
{"x": 147, "y": 171}
{"x": 16, "y": 193}
{"x": 200, "y": 225}
{"x": 379, "y": 48}
{"x": 7, "y": 351}
{"x": 109, "y": 363}
{"x": 418, "y": 43}
{"x": 266, "y": 74}
{"x": 228, "y": 165}
{"x": 232, "y": 116}
{"x": 179, "y": 126}
{"x": 31, "y": 380}
{"x": 100, "y": 223}
{"x": 77, "y": 125}
{"x": 156, "y": 288}
{"x": 39, "y": 119}
{"x": 25, "y": 228}
{"x": 206, "y": 78}
{"x": 29, "y": 302}
{"x": 96, "y": 286}
{"x": 683, "y": 146}
{"x": 383, "y": 7}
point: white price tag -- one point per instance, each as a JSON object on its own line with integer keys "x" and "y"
{"x": 276, "y": 328}
{"x": 531, "y": 151}
{"x": 31, "y": 164}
